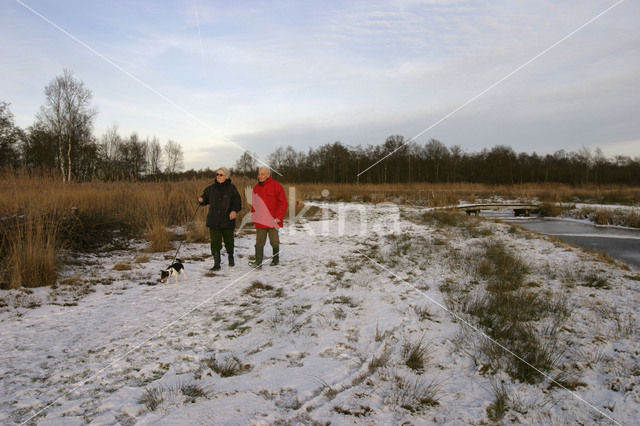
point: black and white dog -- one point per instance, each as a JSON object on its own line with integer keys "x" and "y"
{"x": 175, "y": 270}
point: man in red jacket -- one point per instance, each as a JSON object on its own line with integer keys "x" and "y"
{"x": 268, "y": 206}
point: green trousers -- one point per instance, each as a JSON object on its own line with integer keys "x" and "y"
{"x": 261, "y": 237}
{"x": 218, "y": 236}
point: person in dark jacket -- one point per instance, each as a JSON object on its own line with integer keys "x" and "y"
{"x": 224, "y": 204}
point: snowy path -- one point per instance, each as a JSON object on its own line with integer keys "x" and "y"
{"x": 302, "y": 338}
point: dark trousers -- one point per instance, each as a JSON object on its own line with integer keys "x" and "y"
{"x": 220, "y": 235}
{"x": 261, "y": 237}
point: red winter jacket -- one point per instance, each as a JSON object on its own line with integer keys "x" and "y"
{"x": 268, "y": 202}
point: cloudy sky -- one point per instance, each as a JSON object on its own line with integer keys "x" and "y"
{"x": 220, "y": 76}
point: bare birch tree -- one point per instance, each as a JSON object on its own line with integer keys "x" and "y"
{"x": 68, "y": 115}
{"x": 154, "y": 156}
{"x": 174, "y": 157}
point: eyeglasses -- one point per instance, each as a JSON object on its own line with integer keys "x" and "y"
{"x": 219, "y": 174}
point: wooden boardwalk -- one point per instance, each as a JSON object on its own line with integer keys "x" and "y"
{"x": 519, "y": 209}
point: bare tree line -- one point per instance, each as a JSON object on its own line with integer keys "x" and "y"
{"x": 62, "y": 139}
{"x": 434, "y": 162}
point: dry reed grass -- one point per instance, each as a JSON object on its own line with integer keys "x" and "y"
{"x": 31, "y": 257}
{"x": 604, "y": 216}
{"x": 158, "y": 236}
{"x": 444, "y": 194}
{"x": 39, "y": 216}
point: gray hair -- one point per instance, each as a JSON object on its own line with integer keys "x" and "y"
{"x": 224, "y": 170}
{"x": 267, "y": 169}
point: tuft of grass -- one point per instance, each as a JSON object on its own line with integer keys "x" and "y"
{"x": 451, "y": 218}
{"x": 503, "y": 270}
{"x": 152, "y": 398}
{"x": 342, "y": 300}
{"x": 122, "y": 267}
{"x": 500, "y": 404}
{"x": 415, "y": 355}
{"x": 593, "y": 280}
{"x": 508, "y": 312}
{"x": 31, "y": 253}
{"x": 359, "y": 411}
{"x": 379, "y": 334}
{"x": 259, "y": 289}
{"x": 564, "y": 380}
{"x": 625, "y": 324}
{"x": 193, "y": 390}
{"x": 549, "y": 209}
{"x": 381, "y": 360}
{"x": 423, "y": 313}
{"x": 227, "y": 367}
{"x": 158, "y": 236}
{"x": 414, "y": 394}
{"x": 339, "y": 313}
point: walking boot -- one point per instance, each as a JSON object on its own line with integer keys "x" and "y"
{"x": 275, "y": 259}
{"x": 257, "y": 263}
{"x": 232, "y": 261}
{"x": 216, "y": 261}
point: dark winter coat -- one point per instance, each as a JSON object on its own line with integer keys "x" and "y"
{"x": 222, "y": 198}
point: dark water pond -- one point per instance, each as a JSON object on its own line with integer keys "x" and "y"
{"x": 621, "y": 244}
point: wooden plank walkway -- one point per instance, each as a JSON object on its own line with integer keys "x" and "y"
{"x": 519, "y": 209}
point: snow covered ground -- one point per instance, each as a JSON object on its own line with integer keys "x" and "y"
{"x": 322, "y": 338}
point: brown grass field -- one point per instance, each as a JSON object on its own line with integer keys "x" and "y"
{"x": 442, "y": 194}
{"x": 40, "y": 216}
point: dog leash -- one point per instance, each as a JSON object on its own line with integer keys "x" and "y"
{"x": 175, "y": 256}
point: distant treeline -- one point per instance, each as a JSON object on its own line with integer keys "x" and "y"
{"x": 402, "y": 162}
{"x": 61, "y": 141}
